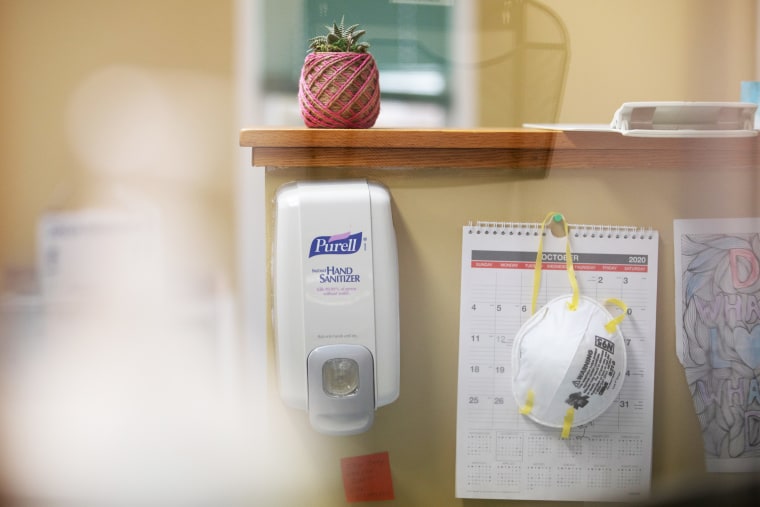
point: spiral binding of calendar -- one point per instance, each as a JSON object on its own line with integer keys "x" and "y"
{"x": 576, "y": 230}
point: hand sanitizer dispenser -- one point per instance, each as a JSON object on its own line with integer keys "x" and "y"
{"x": 336, "y": 302}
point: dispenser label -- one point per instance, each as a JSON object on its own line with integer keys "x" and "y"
{"x": 336, "y": 237}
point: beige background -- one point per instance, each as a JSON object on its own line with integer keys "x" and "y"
{"x": 183, "y": 52}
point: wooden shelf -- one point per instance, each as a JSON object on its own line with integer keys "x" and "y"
{"x": 490, "y": 148}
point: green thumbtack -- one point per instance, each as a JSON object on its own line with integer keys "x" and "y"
{"x": 558, "y": 217}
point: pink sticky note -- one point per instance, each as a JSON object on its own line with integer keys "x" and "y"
{"x": 367, "y": 478}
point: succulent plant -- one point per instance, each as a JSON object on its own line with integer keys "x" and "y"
{"x": 339, "y": 38}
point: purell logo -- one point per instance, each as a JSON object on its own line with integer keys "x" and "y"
{"x": 338, "y": 244}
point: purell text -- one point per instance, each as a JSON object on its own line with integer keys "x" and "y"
{"x": 339, "y": 244}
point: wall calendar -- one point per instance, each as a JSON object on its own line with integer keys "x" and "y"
{"x": 502, "y": 454}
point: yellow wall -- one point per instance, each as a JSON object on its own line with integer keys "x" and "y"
{"x": 650, "y": 50}
{"x": 621, "y": 50}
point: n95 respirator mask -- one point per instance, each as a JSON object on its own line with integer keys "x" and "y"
{"x": 569, "y": 357}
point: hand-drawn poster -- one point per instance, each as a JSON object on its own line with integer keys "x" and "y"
{"x": 717, "y": 269}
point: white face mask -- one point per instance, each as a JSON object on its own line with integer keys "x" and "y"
{"x": 568, "y": 359}
{"x": 567, "y": 364}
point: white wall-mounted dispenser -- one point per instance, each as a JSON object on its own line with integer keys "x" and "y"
{"x": 336, "y": 306}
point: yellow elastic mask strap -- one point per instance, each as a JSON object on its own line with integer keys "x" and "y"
{"x": 568, "y": 262}
{"x": 528, "y": 407}
{"x": 612, "y": 325}
{"x": 570, "y": 270}
{"x": 567, "y": 423}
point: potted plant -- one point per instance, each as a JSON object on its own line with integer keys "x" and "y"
{"x": 340, "y": 84}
